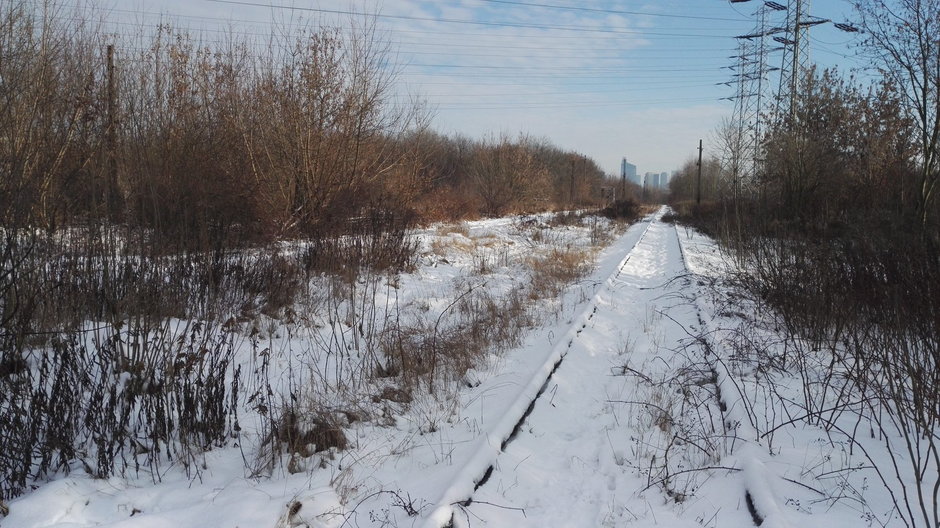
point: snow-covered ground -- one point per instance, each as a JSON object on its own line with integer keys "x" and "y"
{"x": 640, "y": 418}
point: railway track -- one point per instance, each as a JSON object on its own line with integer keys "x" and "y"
{"x": 481, "y": 465}
{"x": 562, "y": 454}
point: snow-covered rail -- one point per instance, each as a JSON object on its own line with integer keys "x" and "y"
{"x": 759, "y": 497}
{"x": 495, "y": 439}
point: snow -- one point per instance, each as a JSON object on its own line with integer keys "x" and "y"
{"x": 629, "y": 370}
{"x": 579, "y": 461}
{"x": 516, "y": 402}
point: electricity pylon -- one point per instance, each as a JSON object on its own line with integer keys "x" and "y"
{"x": 752, "y": 84}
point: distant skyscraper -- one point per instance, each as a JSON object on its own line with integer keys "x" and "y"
{"x": 664, "y": 179}
{"x": 628, "y": 171}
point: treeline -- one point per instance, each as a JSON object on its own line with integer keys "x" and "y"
{"x": 202, "y": 143}
{"x": 685, "y": 184}
{"x": 845, "y": 160}
{"x": 500, "y": 175}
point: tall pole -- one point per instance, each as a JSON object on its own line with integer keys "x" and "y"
{"x": 795, "y": 65}
{"x": 623, "y": 178}
{"x": 571, "y": 190}
{"x": 111, "y": 137}
{"x": 698, "y": 190}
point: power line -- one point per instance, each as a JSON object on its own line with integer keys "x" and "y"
{"x": 520, "y": 25}
{"x": 231, "y": 31}
{"x": 511, "y": 71}
{"x": 684, "y": 51}
{"x": 603, "y": 104}
{"x": 622, "y": 80}
{"x": 632, "y": 54}
{"x": 172, "y": 16}
{"x": 645, "y": 81}
{"x": 553, "y": 56}
{"x": 611, "y": 11}
{"x": 528, "y": 93}
{"x": 627, "y": 77}
{"x": 515, "y": 68}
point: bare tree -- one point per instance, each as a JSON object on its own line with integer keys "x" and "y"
{"x": 48, "y": 99}
{"x": 731, "y": 138}
{"x": 902, "y": 37}
{"x": 507, "y": 176}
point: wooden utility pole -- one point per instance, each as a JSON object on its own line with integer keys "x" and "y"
{"x": 110, "y": 202}
{"x": 698, "y": 190}
{"x": 623, "y": 179}
{"x": 571, "y": 191}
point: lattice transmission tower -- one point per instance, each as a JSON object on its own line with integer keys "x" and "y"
{"x": 777, "y": 28}
{"x": 796, "y": 55}
{"x": 752, "y": 87}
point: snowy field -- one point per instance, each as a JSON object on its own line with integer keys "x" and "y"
{"x": 625, "y": 403}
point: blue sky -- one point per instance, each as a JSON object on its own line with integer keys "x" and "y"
{"x": 608, "y": 79}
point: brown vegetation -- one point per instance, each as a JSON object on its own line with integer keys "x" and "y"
{"x": 162, "y": 199}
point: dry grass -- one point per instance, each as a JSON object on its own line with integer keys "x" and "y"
{"x": 431, "y": 355}
{"x": 444, "y": 230}
{"x": 488, "y": 252}
{"x": 558, "y": 267}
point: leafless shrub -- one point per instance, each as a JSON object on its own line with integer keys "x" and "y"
{"x": 859, "y": 327}
{"x": 507, "y": 177}
{"x": 565, "y": 218}
{"x": 626, "y": 210}
{"x": 133, "y": 194}
{"x": 378, "y": 242}
{"x": 307, "y": 432}
{"x": 683, "y": 435}
{"x": 129, "y": 399}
